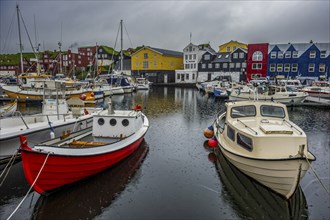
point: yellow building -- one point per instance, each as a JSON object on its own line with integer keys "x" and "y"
{"x": 231, "y": 46}
{"x": 158, "y": 65}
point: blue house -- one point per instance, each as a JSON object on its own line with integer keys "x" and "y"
{"x": 303, "y": 60}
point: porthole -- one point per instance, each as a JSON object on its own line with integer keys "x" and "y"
{"x": 125, "y": 122}
{"x": 100, "y": 121}
{"x": 113, "y": 122}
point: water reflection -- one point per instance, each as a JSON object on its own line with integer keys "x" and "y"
{"x": 252, "y": 200}
{"x": 86, "y": 199}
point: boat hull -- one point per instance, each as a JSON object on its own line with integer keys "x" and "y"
{"x": 284, "y": 100}
{"x": 61, "y": 170}
{"x": 8, "y": 109}
{"x": 9, "y": 144}
{"x": 280, "y": 175}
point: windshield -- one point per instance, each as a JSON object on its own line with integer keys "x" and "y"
{"x": 243, "y": 111}
{"x": 272, "y": 111}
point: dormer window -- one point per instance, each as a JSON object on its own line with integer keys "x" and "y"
{"x": 207, "y": 57}
{"x": 312, "y": 54}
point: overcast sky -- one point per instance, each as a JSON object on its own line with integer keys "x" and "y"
{"x": 162, "y": 24}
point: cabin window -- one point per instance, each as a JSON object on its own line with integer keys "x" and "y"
{"x": 125, "y": 122}
{"x": 100, "y": 121}
{"x": 244, "y": 142}
{"x": 113, "y": 122}
{"x": 272, "y": 111}
{"x": 243, "y": 111}
{"x": 231, "y": 133}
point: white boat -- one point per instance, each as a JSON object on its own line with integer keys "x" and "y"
{"x": 8, "y": 109}
{"x": 142, "y": 84}
{"x": 55, "y": 120}
{"x": 269, "y": 93}
{"x": 115, "y": 135}
{"x": 260, "y": 140}
{"x": 220, "y": 90}
{"x": 320, "y": 89}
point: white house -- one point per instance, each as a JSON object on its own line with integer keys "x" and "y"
{"x": 192, "y": 55}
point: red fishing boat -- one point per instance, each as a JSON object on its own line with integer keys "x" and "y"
{"x": 55, "y": 163}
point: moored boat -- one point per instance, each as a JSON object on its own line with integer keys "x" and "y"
{"x": 55, "y": 119}
{"x": 114, "y": 136}
{"x": 8, "y": 109}
{"x": 260, "y": 140}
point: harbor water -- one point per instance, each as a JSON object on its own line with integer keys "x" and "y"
{"x": 174, "y": 175}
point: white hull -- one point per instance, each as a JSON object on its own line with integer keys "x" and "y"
{"x": 117, "y": 90}
{"x": 282, "y": 175}
{"x": 284, "y": 98}
{"x": 8, "y": 109}
{"x": 38, "y": 132}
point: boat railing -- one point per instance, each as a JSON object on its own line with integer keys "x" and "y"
{"x": 249, "y": 128}
{"x": 292, "y": 126}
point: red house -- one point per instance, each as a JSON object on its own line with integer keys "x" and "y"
{"x": 257, "y": 60}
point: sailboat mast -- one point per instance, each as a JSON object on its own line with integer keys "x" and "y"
{"x": 121, "y": 45}
{"x": 20, "y": 39}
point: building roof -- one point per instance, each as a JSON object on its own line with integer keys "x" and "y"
{"x": 301, "y": 47}
{"x": 167, "y": 52}
{"x": 222, "y": 57}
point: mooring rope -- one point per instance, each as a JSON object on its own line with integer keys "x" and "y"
{"x": 42, "y": 167}
{"x": 318, "y": 178}
{"x": 8, "y": 166}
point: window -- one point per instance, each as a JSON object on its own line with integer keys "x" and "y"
{"x": 186, "y": 57}
{"x": 187, "y": 76}
{"x": 155, "y": 63}
{"x": 209, "y": 65}
{"x": 203, "y": 66}
{"x": 220, "y": 56}
{"x": 225, "y": 65}
{"x": 194, "y": 65}
{"x": 145, "y": 55}
{"x": 243, "y": 111}
{"x": 191, "y": 66}
{"x": 312, "y": 54}
{"x": 244, "y": 142}
{"x": 257, "y": 56}
{"x": 100, "y": 121}
{"x": 136, "y": 64}
{"x": 227, "y": 55}
{"x": 234, "y": 48}
{"x": 311, "y": 67}
{"x": 322, "y": 67}
{"x": 243, "y": 65}
{"x": 272, "y": 111}
{"x": 238, "y": 65}
{"x": 190, "y": 48}
{"x": 193, "y": 76}
{"x": 194, "y": 56}
{"x": 145, "y": 64}
{"x": 257, "y": 66}
{"x": 125, "y": 122}
{"x": 207, "y": 57}
{"x": 217, "y": 65}
{"x": 231, "y": 65}
{"x": 279, "y": 67}
{"x": 323, "y": 53}
{"x": 231, "y": 133}
{"x": 178, "y": 76}
{"x": 294, "y": 54}
{"x": 228, "y": 49}
{"x": 294, "y": 67}
{"x": 287, "y": 67}
{"x": 235, "y": 55}
{"x": 280, "y": 54}
{"x": 273, "y": 55}
{"x": 288, "y": 54}
{"x": 241, "y": 55}
{"x": 272, "y": 67}
{"x": 113, "y": 122}
{"x": 190, "y": 56}
{"x": 186, "y": 66}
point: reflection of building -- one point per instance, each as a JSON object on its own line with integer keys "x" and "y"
{"x": 257, "y": 60}
{"x": 306, "y": 60}
{"x": 192, "y": 54}
{"x": 157, "y": 64}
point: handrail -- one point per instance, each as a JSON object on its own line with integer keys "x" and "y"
{"x": 292, "y": 126}
{"x": 256, "y": 133}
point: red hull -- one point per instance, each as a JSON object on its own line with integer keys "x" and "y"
{"x": 61, "y": 170}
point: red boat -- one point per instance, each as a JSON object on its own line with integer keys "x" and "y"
{"x": 57, "y": 162}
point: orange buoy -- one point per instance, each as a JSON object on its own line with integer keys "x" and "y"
{"x": 209, "y": 132}
{"x": 213, "y": 142}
